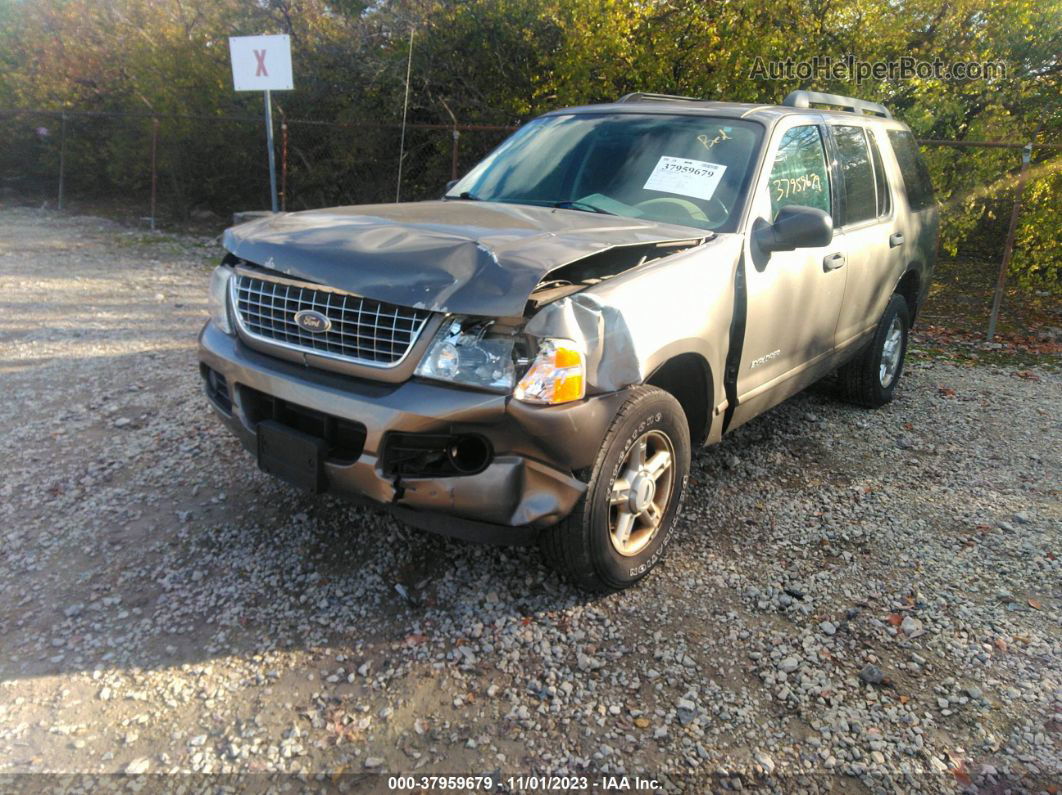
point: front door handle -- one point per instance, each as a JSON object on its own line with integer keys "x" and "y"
{"x": 832, "y": 262}
{"x": 895, "y": 239}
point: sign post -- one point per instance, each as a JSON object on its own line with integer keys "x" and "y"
{"x": 269, "y": 148}
{"x": 263, "y": 63}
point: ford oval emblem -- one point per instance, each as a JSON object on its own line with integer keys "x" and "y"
{"x": 314, "y": 322}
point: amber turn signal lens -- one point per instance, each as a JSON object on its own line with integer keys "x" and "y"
{"x": 558, "y": 374}
{"x": 566, "y": 357}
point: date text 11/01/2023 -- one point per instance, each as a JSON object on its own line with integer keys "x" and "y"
{"x": 488, "y": 783}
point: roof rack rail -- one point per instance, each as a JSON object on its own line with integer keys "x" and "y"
{"x": 803, "y": 99}
{"x": 641, "y": 96}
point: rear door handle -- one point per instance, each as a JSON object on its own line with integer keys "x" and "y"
{"x": 832, "y": 262}
{"x": 895, "y": 239}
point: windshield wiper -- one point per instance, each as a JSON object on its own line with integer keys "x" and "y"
{"x": 578, "y": 205}
{"x": 464, "y": 195}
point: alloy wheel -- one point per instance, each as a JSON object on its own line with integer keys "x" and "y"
{"x": 639, "y": 497}
{"x": 890, "y": 353}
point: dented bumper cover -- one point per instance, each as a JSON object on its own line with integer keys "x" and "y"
{"x": 529, "y": 484}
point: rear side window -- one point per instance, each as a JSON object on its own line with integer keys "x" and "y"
{"x": 881, "y": 183}
{"x": 799, "y": 174}
{"x": 859, "y": 194}
{"x": 913, "y": 168}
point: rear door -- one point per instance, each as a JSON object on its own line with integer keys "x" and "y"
{"x": 916, "y": 207}
{"x": 793, "y": 297}
{"x": 874, "y": 237}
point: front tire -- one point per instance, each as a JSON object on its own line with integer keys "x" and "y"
{"x": 870, "y": 378}
{"x": 618, "y": 531}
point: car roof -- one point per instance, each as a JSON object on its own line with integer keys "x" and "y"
{"x": 767, "y": 115}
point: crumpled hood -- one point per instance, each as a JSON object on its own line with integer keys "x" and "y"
{"x": 476, "y": 258}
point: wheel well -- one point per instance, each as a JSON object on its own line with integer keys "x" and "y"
{"x": 909, "y": 288}
{"x": 688, "y": 379}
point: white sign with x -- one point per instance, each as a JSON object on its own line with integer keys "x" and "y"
{"x": 261, "y": 63}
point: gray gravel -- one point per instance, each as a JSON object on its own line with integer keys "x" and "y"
{"x": 855, "y": 600}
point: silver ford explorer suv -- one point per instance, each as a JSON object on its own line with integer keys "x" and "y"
{"x": 534, "y": 356}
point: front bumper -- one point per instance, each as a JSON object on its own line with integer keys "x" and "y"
{"x": 528, "y": 485}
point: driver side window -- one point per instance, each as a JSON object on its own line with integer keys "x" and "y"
{"x": 799, "y": 175}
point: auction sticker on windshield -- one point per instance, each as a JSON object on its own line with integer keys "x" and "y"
{"x": 697, "y": 178}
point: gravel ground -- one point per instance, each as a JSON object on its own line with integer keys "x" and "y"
{"x": 855, "y": 601}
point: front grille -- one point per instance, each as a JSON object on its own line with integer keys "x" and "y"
{"x": 362, "y": 330}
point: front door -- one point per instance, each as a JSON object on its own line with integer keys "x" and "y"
{"x": 794, "y": 297}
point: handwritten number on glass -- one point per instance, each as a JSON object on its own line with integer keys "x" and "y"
{"x": 788, "y": 186}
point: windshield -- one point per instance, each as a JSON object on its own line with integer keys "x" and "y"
{"x": 689, "y": 170}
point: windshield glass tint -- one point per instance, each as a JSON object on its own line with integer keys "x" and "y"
{"x": 689, "y": 170}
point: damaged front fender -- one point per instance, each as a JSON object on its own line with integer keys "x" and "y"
{"x": 601, "y": 331}
{"x": 633, "y": 324}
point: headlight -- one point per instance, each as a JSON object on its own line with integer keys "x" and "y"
{"x": 467, "y": 351}
{"x": 558, "y": 374}
{"x": 219, "y": 295}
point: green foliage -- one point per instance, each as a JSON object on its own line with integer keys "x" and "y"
{"x": 503, "y": 61}
{"x": 1037, "y": 255}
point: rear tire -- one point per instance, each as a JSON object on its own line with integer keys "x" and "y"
{"x": 870, "y": 378}
{"x": 619, "y": 529}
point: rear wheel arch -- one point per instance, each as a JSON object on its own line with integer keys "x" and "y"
{"x": 910, "y": 287}
{"x": 870, "y": 378}
{"x": 687, "y": 377}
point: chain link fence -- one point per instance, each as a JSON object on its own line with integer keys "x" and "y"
{"x": 168, "y": 169}
{"x": 330, "y": 163}
{"x": 173, "y": 168}
{"x": 992, "y": 196}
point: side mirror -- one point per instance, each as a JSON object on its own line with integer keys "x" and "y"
{"x": 796, "y": 226}
{"x": 450, "y": 185}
